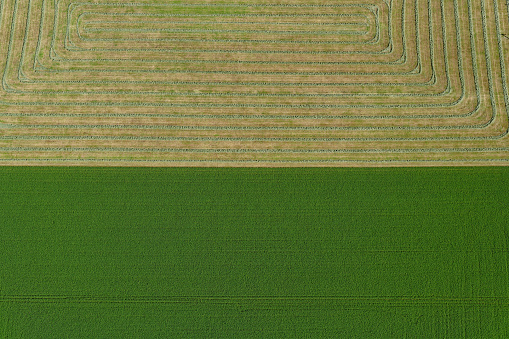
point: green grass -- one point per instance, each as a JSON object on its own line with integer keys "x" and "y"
{"x": 179, "y": 252}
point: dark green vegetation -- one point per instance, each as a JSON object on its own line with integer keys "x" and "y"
{"x": 254, "y": 83}
{"x": 365, "y": 253}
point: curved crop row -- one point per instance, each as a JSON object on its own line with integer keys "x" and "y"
{"x": 446, "y": 93}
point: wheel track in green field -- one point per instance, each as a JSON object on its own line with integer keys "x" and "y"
{"x": 394, "y": 300}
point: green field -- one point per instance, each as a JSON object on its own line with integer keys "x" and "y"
{"x": 351, "y": 253}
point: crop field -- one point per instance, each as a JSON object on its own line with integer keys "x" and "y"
{"x": 254, "y": 253}
{"x": 254, "y": 83}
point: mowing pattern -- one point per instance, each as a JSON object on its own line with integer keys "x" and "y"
{"x": 356, "y": 82}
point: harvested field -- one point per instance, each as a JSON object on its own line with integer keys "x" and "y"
{"x": 258, "y": 83}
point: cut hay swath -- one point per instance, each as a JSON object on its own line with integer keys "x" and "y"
{"x": 258, "y": 83}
